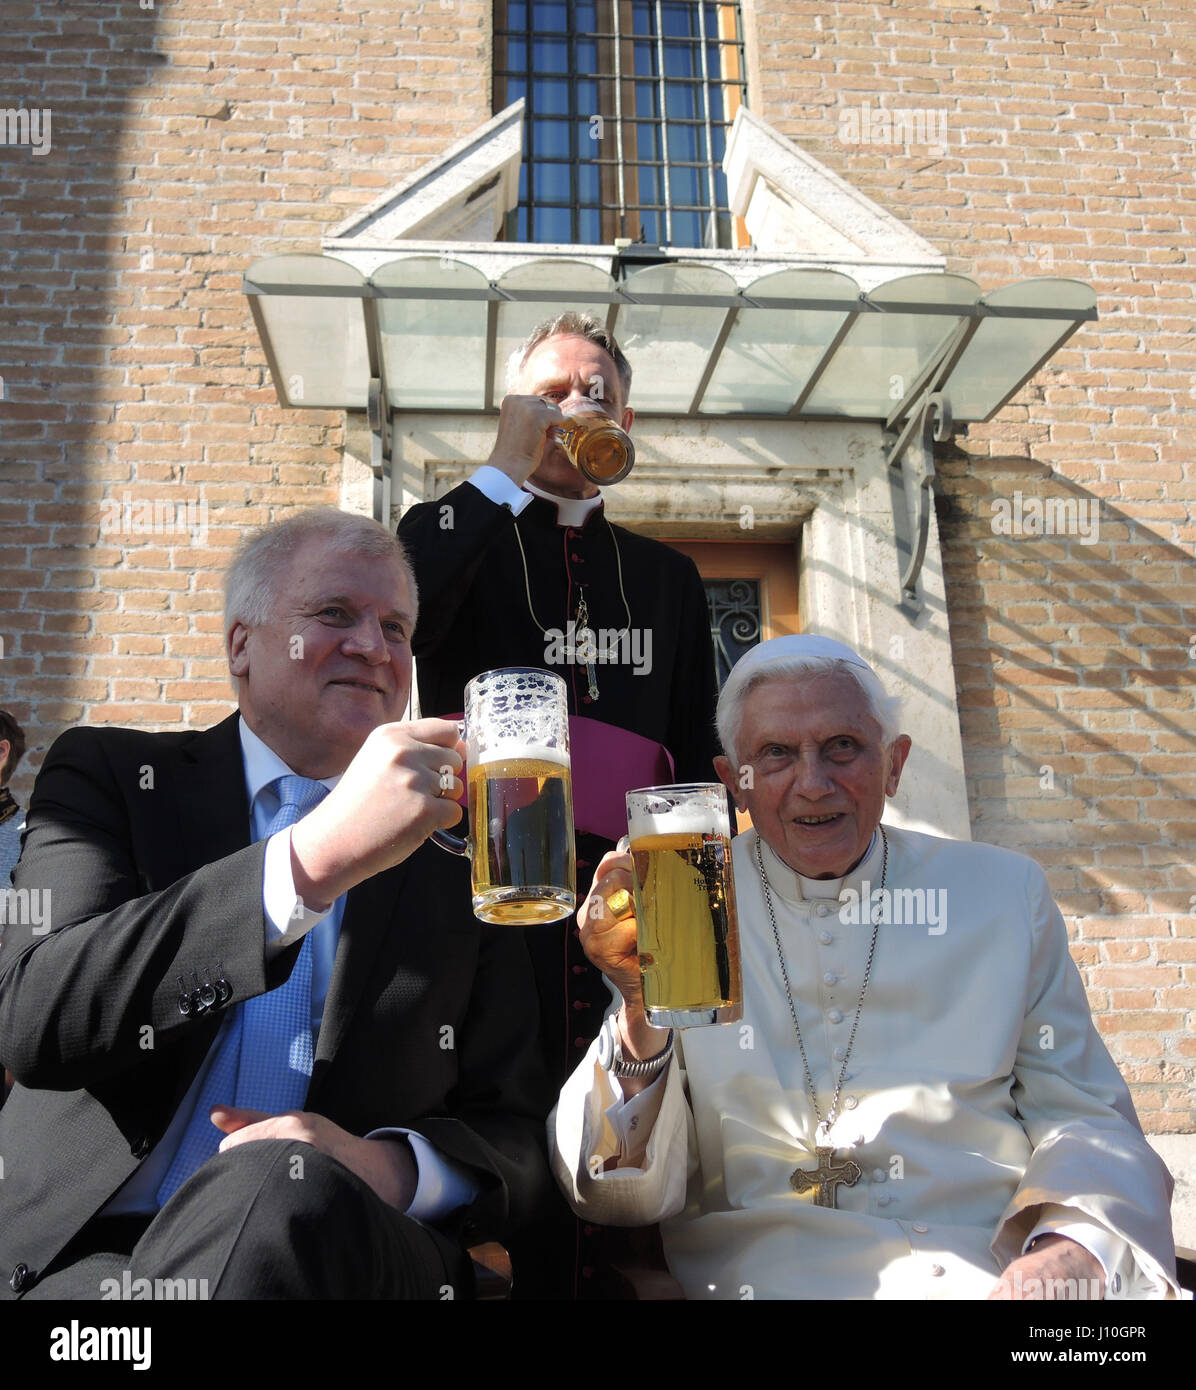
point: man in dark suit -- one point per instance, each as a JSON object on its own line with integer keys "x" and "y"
{"x": 204, "y": 886}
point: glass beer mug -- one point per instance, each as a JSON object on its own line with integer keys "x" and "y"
{"x": 688, "y": 934}
{"x": 520, "y": 797}
{"x": 597, "y": 447}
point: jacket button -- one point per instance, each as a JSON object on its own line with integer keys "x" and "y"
{"x": 141, "y": 1147}
{"x": 21, "y": 1278}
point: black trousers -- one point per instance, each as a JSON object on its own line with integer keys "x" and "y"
{"x": 271, "y": 1219}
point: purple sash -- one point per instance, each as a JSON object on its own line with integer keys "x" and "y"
{"x": 607, "y": 762}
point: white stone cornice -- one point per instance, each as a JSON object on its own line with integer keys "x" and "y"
{"x": 794, "y": 205}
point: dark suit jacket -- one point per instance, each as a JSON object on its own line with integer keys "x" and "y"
{"x": 142, "y": 841}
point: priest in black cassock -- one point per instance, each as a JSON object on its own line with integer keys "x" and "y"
{"x": 513, "y": 566}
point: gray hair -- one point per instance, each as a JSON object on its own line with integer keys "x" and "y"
{"x": 261, "y": 562}
{"x": 570, "y": 325}
{"x": 884, "y": 708}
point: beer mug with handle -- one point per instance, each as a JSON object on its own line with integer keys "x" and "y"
{"x": 688, "y": 936}
{"x": 520, "y": 797}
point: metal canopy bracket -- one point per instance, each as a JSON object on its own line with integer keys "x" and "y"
{"x": 926, "y": 409}
{"x": 380, "y": 461}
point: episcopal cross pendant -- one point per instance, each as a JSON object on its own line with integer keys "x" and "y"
{"x": 586, "y": 650}
{"x": 826, "y": 1177}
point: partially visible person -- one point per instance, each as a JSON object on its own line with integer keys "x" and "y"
{"x": 916, "y": 1103}
{"x": 12, "y": 814}
{"x": 263, "y": 1042}
{"x": 513, "y": 566}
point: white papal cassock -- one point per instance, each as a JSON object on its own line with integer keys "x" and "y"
{"x": 979, "y": 1100}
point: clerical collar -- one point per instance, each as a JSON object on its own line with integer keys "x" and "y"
{"x": 787, "y": 883}
{"x": 570, "y": 511}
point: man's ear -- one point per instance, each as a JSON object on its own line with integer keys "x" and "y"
{"x": 628, "y": 419}
{"x": 236, "y": 646}
{"x": 898, "y": 752}
{"x": 729, "y": 777}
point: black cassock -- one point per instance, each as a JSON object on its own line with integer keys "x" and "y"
{"x": 475, "y": 615}
{"x": 476, "y": 606}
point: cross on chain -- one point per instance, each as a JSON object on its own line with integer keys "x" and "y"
{"x": 826, "y": 1177}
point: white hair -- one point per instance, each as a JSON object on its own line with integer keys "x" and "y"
{"x": 884, "y": 708}
{"x": 261, "y": 563}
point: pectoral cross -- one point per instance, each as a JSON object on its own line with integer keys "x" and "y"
{"x": 586, "y": 650}
{"x": 826, "y": 1177}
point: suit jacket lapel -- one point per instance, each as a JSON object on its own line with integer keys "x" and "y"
{"x": 214, "y": 818}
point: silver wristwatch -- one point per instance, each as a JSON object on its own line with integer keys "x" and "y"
{"x": 610, "y": 1053}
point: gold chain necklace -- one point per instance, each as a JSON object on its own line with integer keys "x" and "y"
{"x": 829, "y": 1175}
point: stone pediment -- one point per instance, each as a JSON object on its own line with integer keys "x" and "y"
{"x": 795, "y": 206}
{"x": 462, "y": 196}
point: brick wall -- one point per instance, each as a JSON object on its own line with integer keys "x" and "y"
{"x": 190, "y": 138}
{"x": 186, "y": 139}
{"x": 1068, "y": 152}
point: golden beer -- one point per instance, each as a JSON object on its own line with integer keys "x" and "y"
{"x": 688, "y": 935}
{"x": 521, "y": 828}
{"x": 597, "y": 447}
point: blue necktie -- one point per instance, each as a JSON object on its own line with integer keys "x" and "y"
{"x": 264, "y": 1060}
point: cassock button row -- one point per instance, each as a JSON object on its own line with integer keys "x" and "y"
{"x": 850, "y": 1102}
{"x": 937, "y": 1270}
{"x": 830, "y": 978}
{"x": 825, "y": 937}
{"x": 921, "y": 1227}
{"x": 838, "y": 1054}
{"x": 879, "y": 1175}
{"x": 822, "y": 909}
{"x": 835, "y": 1015}
{"x": 883, "y": 1200}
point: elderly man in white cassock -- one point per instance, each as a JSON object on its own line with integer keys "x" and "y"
{"x": 916, "y": 1103}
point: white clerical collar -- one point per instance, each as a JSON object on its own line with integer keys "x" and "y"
{"x": 570, "y": 511}
{"x": 263, "y": 765}
{"x": 787, "y": 883}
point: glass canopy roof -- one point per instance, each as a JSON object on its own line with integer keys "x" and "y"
{"x": 799, "y": 343}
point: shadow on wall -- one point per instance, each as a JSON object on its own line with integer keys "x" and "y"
{"x": 73, "y": 79}
{"x": 1070, "y": 626}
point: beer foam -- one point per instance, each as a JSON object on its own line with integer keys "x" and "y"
{"x": 686, "y": 819}
{"x": 510, "y": 749}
